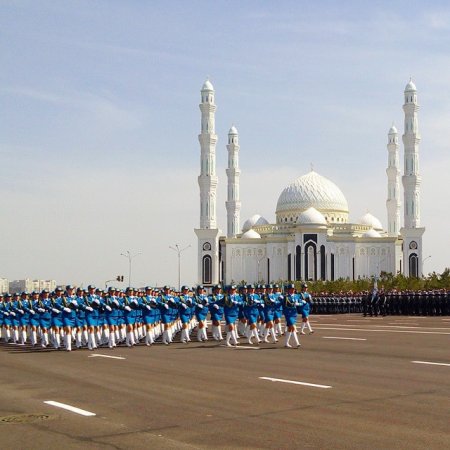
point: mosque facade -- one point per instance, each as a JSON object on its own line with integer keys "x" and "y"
{"x": 312, "y": 237}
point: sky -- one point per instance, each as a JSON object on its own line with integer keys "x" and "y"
{"x": 99, "y": 122}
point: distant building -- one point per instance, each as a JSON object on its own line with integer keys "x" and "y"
{"x": 28, "y": 285}
{"x": 4, "y": 285}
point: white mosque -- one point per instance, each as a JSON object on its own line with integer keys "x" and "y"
{"x": 312, "y": 238}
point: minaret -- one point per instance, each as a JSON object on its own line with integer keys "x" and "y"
{"x": 208, "y": 178}
{"x": 412, "y": 233}
{"x": 233, "y": 203}
{"x": 208, "y": 233}
{"x": 393, "y": 174}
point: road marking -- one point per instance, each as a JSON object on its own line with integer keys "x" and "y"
{"x": 381, "y": 331}
{"x": 244, "y": 347}
{"x": 432, "y": 363}
{"x": 323, "y": 386}
{"x": 70, "y": 408}
{"x": 98, "y": 355}
{"x": 347, "y": 338}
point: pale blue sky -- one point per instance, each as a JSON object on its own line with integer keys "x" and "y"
{"x": 99, "y": 120}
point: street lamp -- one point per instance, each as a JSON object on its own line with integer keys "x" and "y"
{"x": 179, "y": 251}
{"x": 423, "y": 261}
{"x": 130, "y": 257}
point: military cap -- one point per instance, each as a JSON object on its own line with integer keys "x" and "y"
{"x": 45, "y": 291}
{"x": 269, "y": 286}
{"x": 217, "y": 286}
{"x": 24, "y": 293}
{"x": 91, "y": 286}
{"x": 290, "y": 286}
{"x": 8, "y": 295}
{"x": 276, "y": 286}
{"x": 184, "y": 288}
{"x": 200, "y": 287}
{"x": 250, "y": 286}
{"x": 304, "y": 285}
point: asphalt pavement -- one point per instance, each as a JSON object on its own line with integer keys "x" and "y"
{"x": 356, "y": 383}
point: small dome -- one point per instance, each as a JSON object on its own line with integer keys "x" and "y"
{"x": 410, "y": 87}
{"x": 371, "y": 234}
{"x": 311, "y": 216}
{"x": 254, "y": 221}
{"x": 371, "y": 221}
{"x": 393, "y": 130}
{"x": 207, "y": 86}
{"x": 251, "y": 234}
{"x": 233, "y": 130}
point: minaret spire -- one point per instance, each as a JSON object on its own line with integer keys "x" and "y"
{"x": 411, "y": 232}
{"x": 208, "y": 233}
{"x": 411, "y": 178}
{"x": 208, "y": 139}
{"x": 233, "y": 203}
{"x": 393, "y": 174}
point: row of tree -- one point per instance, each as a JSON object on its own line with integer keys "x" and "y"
{"x": 386, "y": 280}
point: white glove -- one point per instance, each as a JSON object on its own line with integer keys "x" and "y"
{"x": 74, "y": 303}
{"x": 134, "y": 301}
{"x": 97, "y": 301}
{"x": 116, "y": 302}
{"x": 21, "y": 311}
{"x": 200, "y": 306}
{"x": 235, "y": 302}
{"x": 184, "y": 306}
{"x": 127, "y": 308}
{"x": 148, "y": 307}
{"x": 32, "y": 312}
{"x": 41, "y": 310}
{"x": 13, "y": 313}
{"x": 88, "y": 308}
{"x": 166, "y": 306}
{"x": 6, "y": 313}
{"x": 281, "y": 297}
{"x": 56, "y": 311}
{"x": 67, "y": 310}
{"x": 216, "y": 306}
{"x": 108, "y": 308}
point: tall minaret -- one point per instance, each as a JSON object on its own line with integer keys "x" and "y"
{"x": 412, "y": 233}
{"x": 208, "y": 178}
{"x": 233, "y": 203}
{"x": 393, "y": 174}
{"x": 208, "y": 233}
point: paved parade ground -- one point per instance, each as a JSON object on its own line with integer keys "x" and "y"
{"x": 362, "y": 383}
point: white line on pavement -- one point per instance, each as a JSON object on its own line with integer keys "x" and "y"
{"x": 98, "y": 355}
{"x": 431, "y": 363}
{"x": 69, "y": 408}
{"x": 244, "y": 347}
{"x": 380, "y": 331}
{"x": 347, "y": 338}
{"x": 323, "y": 386}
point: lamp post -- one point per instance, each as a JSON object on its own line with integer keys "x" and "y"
{"x": 130, "y": 258}
{"x": 423, "y": 261}
{"x": 179, "y": 252}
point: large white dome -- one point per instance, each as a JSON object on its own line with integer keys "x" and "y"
{"x": 312, "y": 190}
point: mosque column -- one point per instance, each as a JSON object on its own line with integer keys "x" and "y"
{"x": 393, "y": 174}
{"x": 411, "y": 232}
{"x": 208, "y": 233}
{"x": 233, "y": 203}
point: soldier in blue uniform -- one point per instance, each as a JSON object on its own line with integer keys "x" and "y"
{"x": 57, "y": 322}
{"x": 232, "y": 303}
{"x": 69, "y": 315}
{"x": 278, "y": 310}
{"x": 242, "y": 324}
{"x": 251, "y": 311}
{"x": 34, "y": 317}
{"x": 24, "y": 316}
{"x": 270, "y": 305}
{"x": 5, "y": 313}
{"x": 201, "y": 312}
{"x": 91, "y": 307}
{"x": 81, "y": 333}
{"x": 290, "y": 305}
{"x": 185, "y": 313}
{"x": 149, "y": 308}
{"x": 44, "y": 308}
{"x": 164, "y": 303}
{"x": 306, "y": 304}
{"x": 216, "y": 305}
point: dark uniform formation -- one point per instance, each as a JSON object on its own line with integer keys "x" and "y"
{"x": 94, "y": 318}
{"x": 381, "y": 302}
